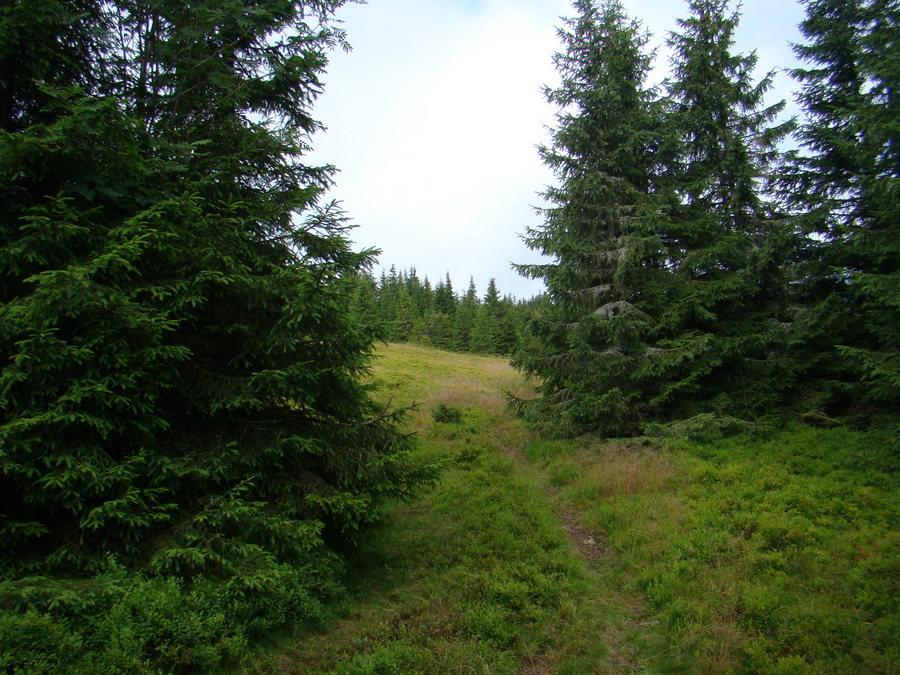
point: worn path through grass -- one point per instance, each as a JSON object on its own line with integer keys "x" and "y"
{"x": 486, "y": 573}
{"x": 776, "y": 555}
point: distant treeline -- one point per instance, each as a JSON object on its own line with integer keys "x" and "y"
{"x": 404, "y": 308}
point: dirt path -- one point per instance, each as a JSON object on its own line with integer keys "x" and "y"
{"x": 583, "y": 539}
{"x": 595, "y": 552}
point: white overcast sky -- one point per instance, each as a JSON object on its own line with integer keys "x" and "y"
{"x": 433, "y": 118}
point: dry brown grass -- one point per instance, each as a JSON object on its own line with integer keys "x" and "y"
{"x": 624, "y": 470}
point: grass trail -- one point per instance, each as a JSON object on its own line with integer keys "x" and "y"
{"x": 539, "y": 556}
{"x": 479, "y": 575}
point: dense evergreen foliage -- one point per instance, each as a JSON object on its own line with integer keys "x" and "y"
{"x": 180, "y": 383}
{"x": 589, "y": 345}
{"x": 681, "y": 290}
{"x": 187, "y": 450}
{"x": 727, "y": 246}
{"x": 845, "y": 185}
{"x": 400, "y": 307}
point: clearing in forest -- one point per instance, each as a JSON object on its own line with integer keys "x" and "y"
{"x": 580, "y": 556}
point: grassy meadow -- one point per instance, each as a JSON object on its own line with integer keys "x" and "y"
{"x": 532, "y": 555}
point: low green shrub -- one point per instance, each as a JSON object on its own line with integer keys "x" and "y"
{"x": 790, "y": 543}
{"x": 122, "y": 621}
{"x": 446, "y": 414}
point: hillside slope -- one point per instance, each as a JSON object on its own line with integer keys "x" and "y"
{"x": 544, "y": 556}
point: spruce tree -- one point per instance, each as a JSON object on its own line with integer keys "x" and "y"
{"x": 493, "y": 326}
{"x": 484, "y": 332}
{"x": 509, "y": 325}
{"x": 180, "y": 379}
{"x": 45, "y": 42}
{"x": 588, "y": 344}
{"x": 405, "y": 314}
{"x": 846, "y": 180}
{"x": 722, "y": 334}
{"x": 364, "y": 305}
{"x": 466, "y": 313}
{"x": 418, "y": 293}
{"x": 444, "y": 297}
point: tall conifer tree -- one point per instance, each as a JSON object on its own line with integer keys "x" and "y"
{"x": 722, "y": 331}
{"x": 464, "y": 320}
{"x": 180, "y": 374}
{"x": 847, "y": 179}
{"x": 588, "y": 346}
